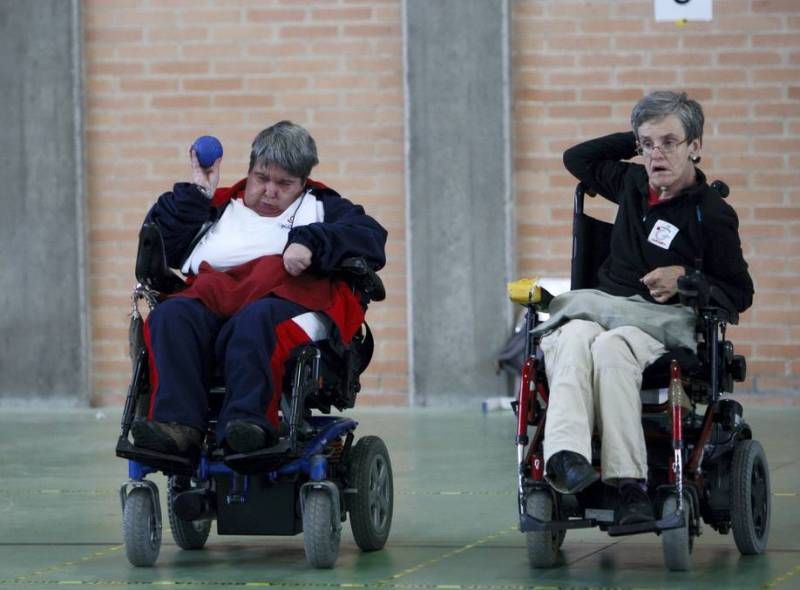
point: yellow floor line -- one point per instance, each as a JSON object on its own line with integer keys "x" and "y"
{"x": 444, "y": 556}
{"x": 24, "y": 579}
{"x": 781, "y": 579}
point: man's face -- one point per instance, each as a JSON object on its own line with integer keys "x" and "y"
{"x": 666, "y": 152}
{"x": 270, "y": 189}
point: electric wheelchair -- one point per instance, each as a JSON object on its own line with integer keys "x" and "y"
{"x": 309, "y": 482}
{"x": 703, "y": 463}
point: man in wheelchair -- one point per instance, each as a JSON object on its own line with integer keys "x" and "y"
{"x": 670, "y": 223}
{"x": 259, "y": 257}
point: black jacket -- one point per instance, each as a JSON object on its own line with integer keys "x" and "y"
{"x": 184, "y": 214}
{"x": 708, "y": 226}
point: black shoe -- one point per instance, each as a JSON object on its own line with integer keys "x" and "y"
{"x": 245, "y": 437}
{"x": 634, "y": 506}
{"x": 166, "y": 437}
{"x": 570, "y": 472}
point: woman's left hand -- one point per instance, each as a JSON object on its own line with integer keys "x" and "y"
{"x": 663, "y": 282}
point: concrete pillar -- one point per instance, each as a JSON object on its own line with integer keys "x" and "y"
{"x": 43, "y": 314}
{"x": 459, "y": 195}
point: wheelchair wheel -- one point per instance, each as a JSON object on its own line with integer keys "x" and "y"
{"x": 140, "y": 528}
{"x": 187, "y": 534}
{"x": 321, "y": 535}
{"x": 372, "y": 505}
{"x": 678, "y": 543}
{"x": 543, "y": 545}
{"x": 750, "y": 498}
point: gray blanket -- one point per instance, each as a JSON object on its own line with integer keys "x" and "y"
{"x": 672, "y": 325}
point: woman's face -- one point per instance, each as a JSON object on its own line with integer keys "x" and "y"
{"x": 270, "y": 189}
{"x": 666, "y": 153}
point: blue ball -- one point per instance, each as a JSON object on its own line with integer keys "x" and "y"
{"x": 208, "y": 150}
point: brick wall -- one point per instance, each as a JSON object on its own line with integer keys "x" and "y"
{"x": 578, "y": 68}
{"x": 161, "y": 72}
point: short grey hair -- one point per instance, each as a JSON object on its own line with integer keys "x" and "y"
{"x": 662, "y": 103}
{"x": 287, "y": 145}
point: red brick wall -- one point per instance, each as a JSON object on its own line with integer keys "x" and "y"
{"x": 578, "y": 68}
{"x": 159, "y": 73}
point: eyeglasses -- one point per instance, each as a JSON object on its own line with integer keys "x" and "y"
{"x": 646, "y": 147}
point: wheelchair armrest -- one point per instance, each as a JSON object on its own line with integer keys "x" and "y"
{"x": 357, "y": 273}
{"x": 151, "y": 262}
{"x": 529, "y": 292}
{"x": 695, "y": 291}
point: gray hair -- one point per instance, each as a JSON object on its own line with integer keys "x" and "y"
{"x": 662, "y": 103}
{"x": 287, "y": 145}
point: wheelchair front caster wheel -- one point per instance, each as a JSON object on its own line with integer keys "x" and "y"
{"x": 750, "y": 498}
{"x": 543, "y": 546}
{"x": 678, "y": 543}
{"x": 321, "y": 534}
{"x": 372, "y": 505}
{"x": 141, "y": 528}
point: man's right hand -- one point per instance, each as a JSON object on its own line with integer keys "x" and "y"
{"x": 296, "y": 258}
{"x": 206, "y": 178}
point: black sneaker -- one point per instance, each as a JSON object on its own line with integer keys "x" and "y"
{"x": 166, "y": 437}
{"x": 245, "y": 437}
{"x": 570, "y": 472}
{"x": 634, "y": 506}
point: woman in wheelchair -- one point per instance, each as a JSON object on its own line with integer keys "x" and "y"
{"x": 669, "y": 223}
{"x": 258, "y": 257}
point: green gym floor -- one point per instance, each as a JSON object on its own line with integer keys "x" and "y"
{"x": 455, "y": 523}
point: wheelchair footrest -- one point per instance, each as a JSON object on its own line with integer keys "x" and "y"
{"x": 670, "y": 521}
{"x": 261, "y": 461}
{"x": 169, "y": 464}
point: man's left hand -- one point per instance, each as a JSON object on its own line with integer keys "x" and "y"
{"x": 663, "y": 282}
{"x": 296, "y": 258}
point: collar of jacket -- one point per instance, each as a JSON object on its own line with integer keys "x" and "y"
{"x": 222, "y": 196}
{"x": 695, "y": 191}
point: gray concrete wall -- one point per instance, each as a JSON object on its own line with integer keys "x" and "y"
{"x": 459, "y": 195}
{"x": 43, "y": 327}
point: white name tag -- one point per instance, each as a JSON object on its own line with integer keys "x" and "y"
{"x": 662, "y": 234}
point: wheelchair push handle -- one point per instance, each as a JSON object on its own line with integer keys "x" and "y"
{"x": 152, "y": 269}
{"x": 581, "y": 190}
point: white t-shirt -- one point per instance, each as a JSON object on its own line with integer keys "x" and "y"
{"x": 242, "y": 235}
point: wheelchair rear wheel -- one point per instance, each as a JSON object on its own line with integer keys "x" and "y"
{"x": 321, "y": 535}
{"x": 187, "y": 534}
{"x": 750, "y": 498}
{"x": 678, "y": 543}
{"x": 543, "y": 545}
{"x": 372, "y": 505}
{"x": 140, "y": 528}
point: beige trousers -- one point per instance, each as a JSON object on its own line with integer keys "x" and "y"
{"x": 595, "y": 376}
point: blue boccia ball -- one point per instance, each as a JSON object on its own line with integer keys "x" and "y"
{"x": 208, "y": 149}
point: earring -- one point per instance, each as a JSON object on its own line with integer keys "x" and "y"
{"x": 695, "y": 159}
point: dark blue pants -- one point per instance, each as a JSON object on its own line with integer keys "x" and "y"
{"x": 189, "y": 342}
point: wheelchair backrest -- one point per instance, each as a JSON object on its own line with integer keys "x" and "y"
{"x": 590, "y": 244}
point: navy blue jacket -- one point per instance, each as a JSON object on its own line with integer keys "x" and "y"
{"x": 184, "y": 215}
